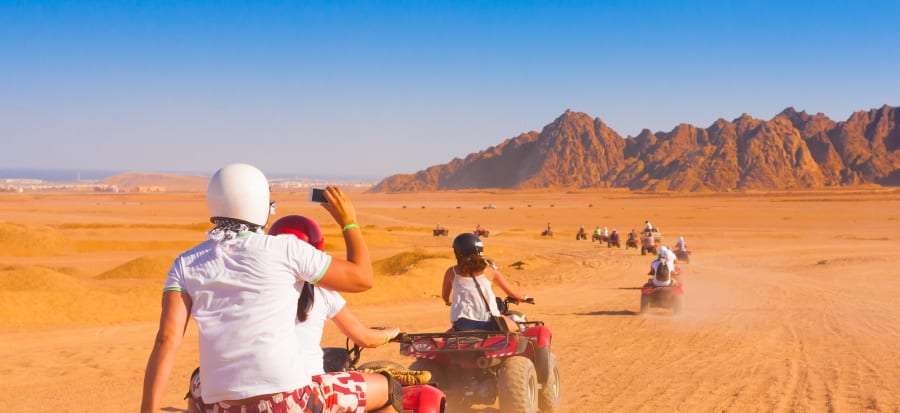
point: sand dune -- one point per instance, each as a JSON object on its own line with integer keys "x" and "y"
{"x": 790, "y": 306}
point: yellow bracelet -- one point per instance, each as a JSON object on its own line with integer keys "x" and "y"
{"x": 350, "y": 226}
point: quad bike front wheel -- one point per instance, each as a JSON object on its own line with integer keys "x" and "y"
{"x": 550, "y": 391}
{"x": 518, "y": 385}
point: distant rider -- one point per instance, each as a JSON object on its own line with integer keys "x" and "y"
{"x": 681, "y": 245}
{"x": 470, "y": 284}
{"x": 662, "y": 269}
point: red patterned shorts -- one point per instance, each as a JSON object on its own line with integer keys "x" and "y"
{"x": 342, "y": 392}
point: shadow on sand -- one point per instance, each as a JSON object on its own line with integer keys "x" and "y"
{"x": 610, "y": 313}
{"x": 173, "y": 409}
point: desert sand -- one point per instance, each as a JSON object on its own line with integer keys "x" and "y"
{"x": 790, "y": 304}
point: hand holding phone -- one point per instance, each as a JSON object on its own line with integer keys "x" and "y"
{"x": 318, "y": 195}
{"x": 339, "y": 206}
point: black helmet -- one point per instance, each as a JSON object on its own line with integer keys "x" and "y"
{"x": 467, "y": 244}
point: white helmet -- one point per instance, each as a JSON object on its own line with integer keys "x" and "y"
{"x": 239, "y": 191}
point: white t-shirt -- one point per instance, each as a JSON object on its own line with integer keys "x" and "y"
{"x": 326, "y": 305}
{"x": 244, "y": 302}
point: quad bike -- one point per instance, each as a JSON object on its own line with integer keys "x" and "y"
{"x": 631, "y": 243}
{"x": 613, "y": 240}
{"x": 596, "y": 237}
{"x": 547, "y": 233}
{"x": 481, "y": 232}
{"x": 650, "y": 242}
{"x": 581, "y": 235}
{"x": 417, "y": 398}
{"x": 683, "y": 256}
{"x": 479, "y": 367}
{"x": 671, "y": 296}
{"x": 440, "y": 232}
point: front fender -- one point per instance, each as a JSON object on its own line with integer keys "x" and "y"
{"x": 423, "y": 399}
{"x": 541, "y": 334}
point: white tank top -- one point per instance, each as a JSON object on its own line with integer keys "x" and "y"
{"x": 467, "y": 303}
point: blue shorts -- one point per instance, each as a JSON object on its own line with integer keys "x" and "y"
{"x": 464, "y": 324}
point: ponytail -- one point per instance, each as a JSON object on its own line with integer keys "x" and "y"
{"x": 305, "y": 303}
{"x": 472, "y": 264}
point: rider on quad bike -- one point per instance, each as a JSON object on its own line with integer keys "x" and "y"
{"x": 474, "y": 305}
{"x": 664, "y": 287}
{"x": 581, "y": 235}
{"x": 490, "y": 353}
{"x": 614, "y": 239}
{"x": 682, "y": 252}
{"x": 315, "y": 306}
{"x": 632, "y": 241}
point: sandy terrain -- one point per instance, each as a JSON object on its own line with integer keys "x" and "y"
{"x": 790, "y": 306}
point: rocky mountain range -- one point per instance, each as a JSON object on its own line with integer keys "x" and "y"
{"x": 793, "y": 150}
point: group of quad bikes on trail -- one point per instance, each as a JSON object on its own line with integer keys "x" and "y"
{"x": 465, "y": 368}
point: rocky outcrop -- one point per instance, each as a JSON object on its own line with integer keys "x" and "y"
{"x": 792, "y": 150}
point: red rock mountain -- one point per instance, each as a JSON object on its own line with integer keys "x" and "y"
{"x": 792, "y": 150}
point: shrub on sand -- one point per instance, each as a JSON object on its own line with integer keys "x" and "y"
{"x": 404, "y": 261}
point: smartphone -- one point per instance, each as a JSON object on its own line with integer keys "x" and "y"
{"x": 318, "y": 195}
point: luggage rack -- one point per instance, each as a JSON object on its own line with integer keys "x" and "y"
{"x": 453, "y": 342}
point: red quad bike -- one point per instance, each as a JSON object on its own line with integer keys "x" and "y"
{"x": 631, "y": 243}
{"x": 650, "y": 243}
{"x": 423, "y": 398}
{"x": 479, "y": 367}
{"x": 481, "y": 232}
{"x": 683, "y": 256}
{"x": 613, "y": 241}
{"x": 663, "y": 297}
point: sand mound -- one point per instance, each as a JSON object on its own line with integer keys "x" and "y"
{"x": 403, "y": 262}
{"x": 21, "y": 240}
{"x": 147, "y": 267}
{"x": 20, "y": 278}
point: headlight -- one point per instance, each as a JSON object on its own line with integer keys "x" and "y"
{"x": 423, "y": 346}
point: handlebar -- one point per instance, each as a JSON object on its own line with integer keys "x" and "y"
{"x": 527, "y": 300}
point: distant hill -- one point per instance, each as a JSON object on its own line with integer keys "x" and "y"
{"x": 790, "y": 151}
{"x": 169, "y": 182}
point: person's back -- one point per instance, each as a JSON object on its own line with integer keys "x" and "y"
{"x": 326, "y": 304}
{"x": 468, "y": 287}
{"x": 242, "y": 291}
{"x": 467, "y": 302}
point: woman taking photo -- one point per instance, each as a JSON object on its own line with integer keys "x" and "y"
{"x": 239, "y": 286}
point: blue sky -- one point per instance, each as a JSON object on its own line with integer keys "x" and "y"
{"x": 373, "y": 88}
